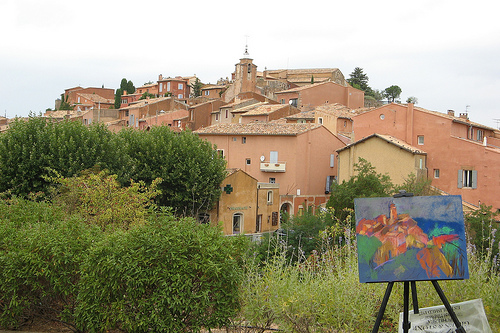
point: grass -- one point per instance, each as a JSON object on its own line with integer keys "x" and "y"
{"x": 322, "y": 293}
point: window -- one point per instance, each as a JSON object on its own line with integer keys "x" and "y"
{"x": 234, "y": 139}
{"x": 180, "y": 86}
{"x": 467, "y": 178}
{"x": 180, "y": 96}
{"x": 293, "y": 102}
{"x": 329, "y": 182}
{"x": 436, "y": 173}
{"x": 275, "y": 218}
{"x": 207, "y": 92}
{"x": 320, "y": 120}
{"x": 269, "y": 197}
{"x": 221, "y": 152}
{"x": 244, "y": 139}
{"x": 273, "y": 157}
{"x": 282, "y": 101}
{"x": 345, "y": 123}
{"x": 168, "y": 86}
{"x": 248, "y": 161}
{"x": 332, "y": 160}
{"x": 227, "y": 113}
{"x": 237, "y": 223}
{"x": 420, "y": 139}
{"x": 216, "y": 116}
{"x": 161, "y": 87}
{"x": 479, "y": 135}
{"x": 272, "y": 180}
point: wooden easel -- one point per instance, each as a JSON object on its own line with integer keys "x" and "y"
{"x": 406, "y": 295}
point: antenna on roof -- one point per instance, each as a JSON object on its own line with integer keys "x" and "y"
{"x": 498, "y": 122}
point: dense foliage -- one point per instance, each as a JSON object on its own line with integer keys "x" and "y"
{"x": 99, "y": 199}
{"x": 39, "y": 263}
{"x": 30, "y": 152}
{"x": 366, "y": 183}
{"x": 33, "y": 152}
{"x": 125, "y": 86}
{"x": 166, "y": 276}
{"x": 190, "y": 169}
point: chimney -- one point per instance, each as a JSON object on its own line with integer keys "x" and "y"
{"x": 124, "y": 93}
{"x": 451, "y": 113}
{"x": 160, "y": 77}
{"x": 464, "y": 115}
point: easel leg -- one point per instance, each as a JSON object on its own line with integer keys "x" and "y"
{"x": 406, "y": 306}
{"x": 382, "y": 307}
{"x": 448, "y": 307}
{"x": 414, "y": 297}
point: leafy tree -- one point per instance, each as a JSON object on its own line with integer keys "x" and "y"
{"x": 125, "y": 85}
{"x": 359, "y": 80}
{"x": 312, "y": 79}
{"x": 30, "y": 152}
{"x": 146, "y": 95}
{"x": 100, "y": 200}
{"x": 417, "y": 186}
{"x": 190, "y": 168}
{"x": 392, "y": 93}
{"x": 412, "y": 100}
{"x": 366, "y": 183}
{"x": 196, "y": 86}
{"x": 64, "y": 103}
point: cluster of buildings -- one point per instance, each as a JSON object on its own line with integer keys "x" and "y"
{"x": 288, "y": 135}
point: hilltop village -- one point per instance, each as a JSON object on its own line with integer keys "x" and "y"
{"x": 289, "y": 134}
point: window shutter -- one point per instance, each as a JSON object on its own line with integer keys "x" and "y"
{"x": 474, "y": 178}
{"x": 327, "y": 187}
{"x": 332, "y": 160}
{"x": 460, "y": 178}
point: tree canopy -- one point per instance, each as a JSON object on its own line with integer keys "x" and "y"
{"x": 358, "y": 79}
{"x": 366, "y": 183}
{"x": 196, "y": 86}
{"x": 32, "y": 151}
{"x": 190, "y": 169}
{"x": 392, "y": 93}
{"x": 125, "y": 85}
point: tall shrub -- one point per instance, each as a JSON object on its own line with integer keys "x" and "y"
{"x": 166, "y": 276}
{"x": 40, "y": 269}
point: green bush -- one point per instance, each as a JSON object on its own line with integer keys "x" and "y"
{"x": 166, "y": 276}
{"x": 39, "y": 269}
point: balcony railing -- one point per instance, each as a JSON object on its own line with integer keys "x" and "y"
{"x": 273, "y": 167}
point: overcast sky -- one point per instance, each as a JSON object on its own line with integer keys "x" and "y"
{"x": 446, "y": 53}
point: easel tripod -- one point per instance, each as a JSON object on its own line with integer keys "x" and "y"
{"x": 406, "y": 295}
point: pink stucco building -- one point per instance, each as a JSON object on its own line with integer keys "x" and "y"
{"x": 301, "y": 158}
{"x": 463, "y": 157}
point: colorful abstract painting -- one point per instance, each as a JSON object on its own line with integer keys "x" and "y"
{"x": 411, "y": 239}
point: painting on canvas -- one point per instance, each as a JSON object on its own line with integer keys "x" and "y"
{"x": 411, "y": 238}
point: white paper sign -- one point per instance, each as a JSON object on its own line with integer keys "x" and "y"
{"x": 436, "y": 319}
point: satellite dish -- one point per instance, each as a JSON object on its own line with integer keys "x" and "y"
{"x": 262, "y": 158}
{"x": 290, "y": 102}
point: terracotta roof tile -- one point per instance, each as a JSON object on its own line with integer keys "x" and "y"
{"x": 257, "y": 128}
{"x": 264, "y": 109}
